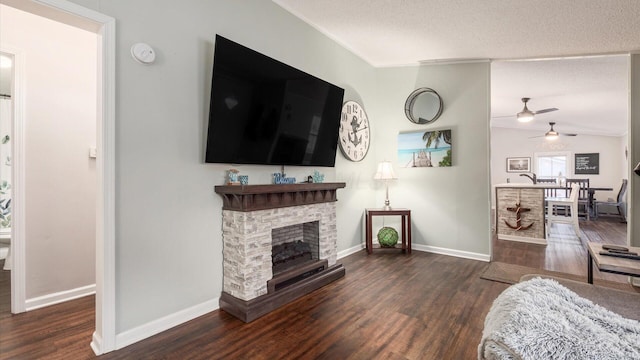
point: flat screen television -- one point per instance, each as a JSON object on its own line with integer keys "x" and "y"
{"x": 263, "y": 111}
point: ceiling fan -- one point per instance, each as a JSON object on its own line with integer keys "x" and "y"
{"x": 552, "y": 134}
{"x": 527, "y": 115}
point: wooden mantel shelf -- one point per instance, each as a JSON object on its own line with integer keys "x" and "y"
{"x": 262, "y": 197}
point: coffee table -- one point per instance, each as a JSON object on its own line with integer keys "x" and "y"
{"x": 610, "y": 264}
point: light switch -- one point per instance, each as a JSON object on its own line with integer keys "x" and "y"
{"x": 93, "y": 152}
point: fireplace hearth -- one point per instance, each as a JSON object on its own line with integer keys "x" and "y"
{"x": 280, "y": 243}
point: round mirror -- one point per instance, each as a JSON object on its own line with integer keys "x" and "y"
{"x": 423, "y": 106}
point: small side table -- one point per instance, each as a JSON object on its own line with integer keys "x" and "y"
{"x": 610, "y": 264}
{"x": 406, "y": 226}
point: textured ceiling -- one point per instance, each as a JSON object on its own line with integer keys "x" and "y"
{"x": 591, "y": 92}
{"x": 398, "y": 32}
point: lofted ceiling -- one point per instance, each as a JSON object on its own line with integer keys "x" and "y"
{"x": 591, "y": 92}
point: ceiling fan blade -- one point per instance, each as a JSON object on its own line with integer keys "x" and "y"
{"x": 568, "y": 134}
{"x": 545, "y": 110}
{"x": 503, "y": 116}
{"x": 535, "y": 137}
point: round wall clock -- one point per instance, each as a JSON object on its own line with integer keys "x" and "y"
{"x": 354, "y": 131}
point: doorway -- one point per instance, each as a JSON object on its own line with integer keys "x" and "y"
{"x": 104, "y": 26}
{"x": 573, "y": 97}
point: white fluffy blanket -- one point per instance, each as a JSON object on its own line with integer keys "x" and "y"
{"x": 541, "y": 319}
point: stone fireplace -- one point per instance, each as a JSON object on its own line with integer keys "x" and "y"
{"x": 299, "y": 222}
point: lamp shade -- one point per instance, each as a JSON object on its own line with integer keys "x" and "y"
{"x": 385, "y": 171}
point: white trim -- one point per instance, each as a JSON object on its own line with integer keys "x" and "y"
{"x": 165, "y": 323}
{"x": 452, "y": 252}
{"x": 349, "y": 251}
{"x": 523, "y": 239}
{"x": 18, "y": 228}
{"x": 59, "y": 297}
{"x": 105, "y": 217}
{"x": 96, "y": 343}
{"x": 429, "y": 249}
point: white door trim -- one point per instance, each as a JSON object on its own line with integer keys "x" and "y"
{"x": 105, "y": 333}
{"x": 18, "y": 297}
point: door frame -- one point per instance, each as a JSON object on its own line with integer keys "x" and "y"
{"x": 103, "y": 339}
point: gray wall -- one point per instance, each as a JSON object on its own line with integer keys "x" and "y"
{"x": 450, "y": 206}
{"x": 168, "y": 246}
{"x": 168, "y": 218}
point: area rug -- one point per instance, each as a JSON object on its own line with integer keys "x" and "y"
{"x": 511, "y": 274}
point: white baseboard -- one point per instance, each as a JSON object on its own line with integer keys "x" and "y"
{"x": 427, "y": 248}
{"x": 452, "y": 252}
{"x": 165, "y": 323}
{"x": 96, "y": 344}
{"x": 350, "y": 251}
{"x": 62, "y": 296}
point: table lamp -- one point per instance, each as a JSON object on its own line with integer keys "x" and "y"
{"x": 385, "y": 173}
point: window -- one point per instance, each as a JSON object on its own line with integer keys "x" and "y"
{"x": 551, "y": 165}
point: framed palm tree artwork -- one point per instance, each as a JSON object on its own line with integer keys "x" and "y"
{"x": 425, "y": 148}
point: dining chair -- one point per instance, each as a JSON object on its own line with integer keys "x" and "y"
{"x": 548, "y": 192}
{"x": 566, "y": 217}
{"x": 620, "y": 204}
{"x": 584, "y": 208}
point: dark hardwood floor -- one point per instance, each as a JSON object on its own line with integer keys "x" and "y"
{"x": 564, "y": 251}
{"x": 388, "y": 306}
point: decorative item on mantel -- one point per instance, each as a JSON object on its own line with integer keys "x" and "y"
{"x": 232, "y": 177}
{"x": 280, "y": 178}
{"x": 318, "y": 177}
{"x": 244, "y": 179}
{"x": 385, "y": 173}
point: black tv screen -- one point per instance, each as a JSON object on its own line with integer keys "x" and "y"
{"x": 263, "y": 111}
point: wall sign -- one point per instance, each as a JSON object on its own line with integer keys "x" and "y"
{"x": 587, "y": 163}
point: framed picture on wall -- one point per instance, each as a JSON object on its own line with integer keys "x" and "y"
{"x": 587, "y": 163}
{"x": 430, "y": 148}
{"x": 519, "y": 164}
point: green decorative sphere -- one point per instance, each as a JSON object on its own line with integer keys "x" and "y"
{"x": 387, "y": 237}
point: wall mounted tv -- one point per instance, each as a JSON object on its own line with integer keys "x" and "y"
{"x": 265, "y": 112}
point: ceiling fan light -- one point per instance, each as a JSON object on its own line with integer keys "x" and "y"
{"x": 551, "y": 135}
{"x": 525, "y": 116}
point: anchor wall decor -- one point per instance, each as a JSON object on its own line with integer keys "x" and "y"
{"x": 518, "y": 210}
